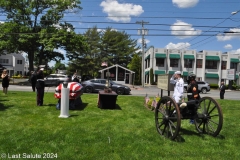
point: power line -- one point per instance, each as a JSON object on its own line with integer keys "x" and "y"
{"x": 153, "y": 24}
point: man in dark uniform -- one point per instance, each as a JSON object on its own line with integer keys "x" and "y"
{"x": 192, "y": 91}
{"x": 33, "y": 80}
{"x": 40, "y": 87}
{"x": 222, "y": 90}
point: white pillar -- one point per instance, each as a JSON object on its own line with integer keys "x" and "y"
{"x": 64, "y": 102}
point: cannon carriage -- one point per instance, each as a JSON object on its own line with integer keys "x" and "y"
{"x": 206, "y": 113}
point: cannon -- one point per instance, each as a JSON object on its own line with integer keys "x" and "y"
{"x": 206, "y": 113}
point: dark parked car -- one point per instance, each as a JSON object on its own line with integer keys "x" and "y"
{"x": 56, "y": 79}
{"x": 95, "y": 85}
{"x": 86, "y": 77}
{"x": 203, "y": 86}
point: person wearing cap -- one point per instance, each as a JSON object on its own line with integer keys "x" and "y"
{"x": 178, "y": 86}
{"x": 40, "y": 87}
{"x": 192, "y": 89}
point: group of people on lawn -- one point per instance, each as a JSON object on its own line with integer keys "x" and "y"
{"x": 37, "y": 81}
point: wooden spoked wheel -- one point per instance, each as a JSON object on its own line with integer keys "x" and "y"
{"x": 167, "y": 118}
{"x": 209, "y": 119}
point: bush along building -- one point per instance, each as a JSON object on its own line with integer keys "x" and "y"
{"x": 210, "y": 66}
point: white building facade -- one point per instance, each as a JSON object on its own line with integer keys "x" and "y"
{"x": 210, "y": 66}
{"x": 14, "y": 63}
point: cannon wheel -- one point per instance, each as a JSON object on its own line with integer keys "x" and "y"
{"x": 167, "y": 118}
{"x": 209, "y": 117}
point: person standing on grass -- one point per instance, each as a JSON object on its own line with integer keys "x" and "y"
{"x": 222, "y": 90}
{"x": 33, "y": 80}
{"x": 5, "y": 81}
{"x": 40, "y": 86}
{"x": 177, "y": 80}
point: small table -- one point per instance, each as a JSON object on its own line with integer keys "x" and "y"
{"x": 107, "y": 100}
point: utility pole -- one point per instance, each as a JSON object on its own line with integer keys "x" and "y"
{"x": 143, "y": 32}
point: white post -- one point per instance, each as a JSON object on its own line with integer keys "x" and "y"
{"x": 64, "y": 101}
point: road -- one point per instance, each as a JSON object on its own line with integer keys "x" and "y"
{"x": 139, "y": 91}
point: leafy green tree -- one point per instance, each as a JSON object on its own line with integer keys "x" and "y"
{"x": 88, "y": 59}
{"x": 151, "y": 76}
{"x": 34, "y": 27}
{"x": 117, "y": 47}
{"x": 135, "y": 65}
{"x": 108, "y": 46}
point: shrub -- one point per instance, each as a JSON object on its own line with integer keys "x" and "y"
{"x": 215, "y": 86}
{"x": 150, "y": 104}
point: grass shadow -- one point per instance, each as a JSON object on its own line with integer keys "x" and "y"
{"x": 50, "y": 105}
{"x": 81, "y": 107}
{"x": 117, "y": 107}
{"x": 3, "y": 107}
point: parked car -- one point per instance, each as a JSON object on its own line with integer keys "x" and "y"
{"x": 95, "y": 85}
{"x": 86, "y": 77}
{"x": 56, "y": 79}
{"x": 203, "y": 86}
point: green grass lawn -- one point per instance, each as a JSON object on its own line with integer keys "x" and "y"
{"x": 91, "y": 133}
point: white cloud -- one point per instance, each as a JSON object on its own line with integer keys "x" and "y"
{"x": 235, "y": 51}
{"x": 228, "y": 46}
{"x": 120, "y": 12}
{"x": 229, "y": 36}
{"x": 104, "y": 30}
{"x": 184, "y": 30}
{"x": 1, "y": 22}
{"x": 62, "y": 51}
{"x": 238, "y": 51}
{"x": 60, "y": 27}
{"x": 181, "y": 45}
{"x": 185, "y": 3}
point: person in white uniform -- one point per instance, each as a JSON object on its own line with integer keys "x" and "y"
{"x": 178, "y": 86}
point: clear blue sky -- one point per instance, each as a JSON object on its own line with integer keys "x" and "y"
{"x": 178, "y": 24}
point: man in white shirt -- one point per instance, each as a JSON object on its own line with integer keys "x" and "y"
{"x": 178, "y": 86}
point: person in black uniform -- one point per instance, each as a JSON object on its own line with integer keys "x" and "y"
{"x": 33, "y": 80}
{"x": 192, "y": 92}
{"x": 192, "y": 89}
{"x": 222, "y": 90}
{"x": 40, "y": 87}
{"x": 5, "y": 81}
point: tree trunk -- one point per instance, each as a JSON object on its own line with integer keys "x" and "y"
{"x": 30, "y": 58}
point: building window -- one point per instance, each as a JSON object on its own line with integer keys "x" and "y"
{"x": 19, "y": 72}
{"x": 19, "y": 61}
{"x": 211, "y": 64}
{"x": 4, "y": 61}
{"x": 224, "y": 65}
{"x": 187, "y": 63}
{"x": 160, "y": 62}
{"x": 199, "y": 63}
{"x": 233, "y": 66}
{"x": 173, "y": 62}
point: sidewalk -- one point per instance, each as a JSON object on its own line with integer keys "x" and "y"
{"x": 139, "y": 87}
